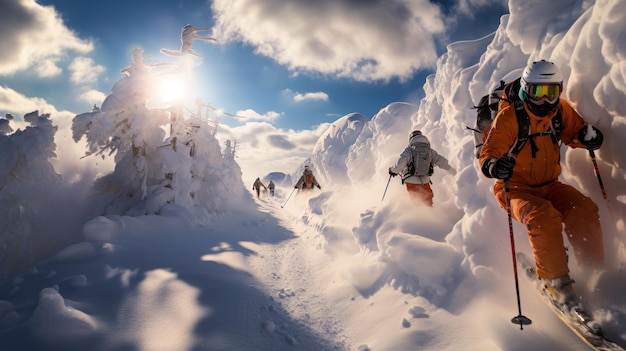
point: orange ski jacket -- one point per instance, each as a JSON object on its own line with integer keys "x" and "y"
{"x": 545, "y": 167}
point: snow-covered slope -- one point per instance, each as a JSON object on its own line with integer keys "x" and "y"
{"x": 328, "y": 157}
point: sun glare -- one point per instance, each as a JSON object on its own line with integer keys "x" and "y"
{"x": 170, "y": 88}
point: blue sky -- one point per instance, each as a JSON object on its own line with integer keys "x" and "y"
{"x": 295, "y": 65}
{"x": 233, "y": 76}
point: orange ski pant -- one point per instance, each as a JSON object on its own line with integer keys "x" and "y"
{"x": 543, "y": 210}
{"x": 421, "y": 192}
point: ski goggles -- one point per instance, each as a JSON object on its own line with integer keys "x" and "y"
{"x": 538, "y": 91}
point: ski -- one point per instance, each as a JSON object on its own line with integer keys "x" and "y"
{"x": 576, "y": 319}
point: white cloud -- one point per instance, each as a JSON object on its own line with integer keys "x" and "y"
{"x": 35, "y": 36}
{"x": 250, "y": 114}
{"x": 48, "y": 68}
{"x": 84, "y": 71}
{"x": 18, "y": 105}
{"x": 321, "y": 96}
{"x": 93, "y": 97}
{"x": 13, "y": 102}
{"x": 362, "y": 40}
{"x": 298, "y": 97}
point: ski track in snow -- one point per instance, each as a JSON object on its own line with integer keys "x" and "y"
{"x": 287, "y": 274}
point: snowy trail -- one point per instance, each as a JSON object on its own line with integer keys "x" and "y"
{"x": 293, "y": 275}
{"x": 314, "y": 283}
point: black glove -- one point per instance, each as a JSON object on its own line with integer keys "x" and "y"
{"x": 591, "y": 143}
{"x": 501, "y": 168}
{"x": 392, "y": 173}
{"x": 319, "y": 187}
{"x": 295, "y": 187}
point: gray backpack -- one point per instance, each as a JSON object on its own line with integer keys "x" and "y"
{"x": 421, "y": 164}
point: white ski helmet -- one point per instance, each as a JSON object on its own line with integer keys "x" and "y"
{"x": 541, "y": 85}
{"x": 416, "y": 136}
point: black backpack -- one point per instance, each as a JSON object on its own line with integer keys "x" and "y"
{"x": 504, "y": 95}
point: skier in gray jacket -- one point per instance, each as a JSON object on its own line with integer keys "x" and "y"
{"x": 416, "y": 165}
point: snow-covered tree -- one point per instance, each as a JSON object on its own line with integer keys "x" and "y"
{"x": 162, "y": 156}
{"x": 25, "y": 168}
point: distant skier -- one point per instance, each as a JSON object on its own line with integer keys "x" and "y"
{"x": 257, "y": 186}
{"x": 416, "y": 164}
{"x": 271, "y": 186}
{"x": 307, "y": 181}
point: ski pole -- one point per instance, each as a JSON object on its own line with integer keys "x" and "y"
{"x": 289, "y": 197}
{"x": 602, "y": 189}
{"x": 381, "y": 200}
{"x": 519, "y": 319}
{"x": 597, "y": 171}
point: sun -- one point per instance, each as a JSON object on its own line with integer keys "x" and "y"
{"x": 170, "y": 88}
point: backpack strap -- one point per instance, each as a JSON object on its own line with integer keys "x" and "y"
{"x": 523, "y": 127}
{"x": 410, "y": 166}
{"x": 524, "y": 135}
{"x": 510, "y": 91}
{"x": 556, "y": 126}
